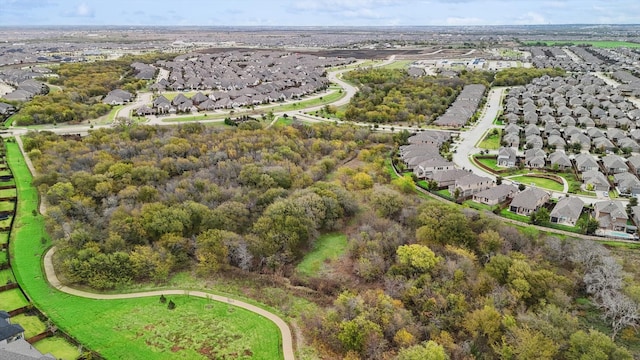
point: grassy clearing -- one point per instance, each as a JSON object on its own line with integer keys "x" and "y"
{"x": 5, "y": 276}
{"x": 284, "y": 121}
{"x": 58, "y": 347}
{"x": 31, "y": 323}
{"x": 7, "y": 192}
{"x": 513, "y": 216}
{"x": 596, "y": 44}
{"x": 12, "y": 299}
{"x": 491, "y": 141}
{"x": 4, "y": 238}
{"x": 539, "y": 182}
{"x": 399, "y": 64}
{"x": 3, "y": 257}
{"x": 144, "y": 327}
{"x": 327, "y": 248}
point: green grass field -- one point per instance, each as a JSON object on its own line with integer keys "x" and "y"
{"x": 31, "y": 323}
{"x": 4, "y": 237}
{"x": 3, "y": 257}
{"x": 5, "y": 276}
{"x": 58, "y": 347}
{"x": 597, "y": 44}
{"x": 539, "y": 182}
{"x": 12, "y": 299}
{"x": 142, "y": 328}
{"x": 491, "y": 141}
{"x": 399, "y": 64}
{"x": 7, "y": 206}
{"x": 328, "y": 247}
{"x": 7, "y": 192}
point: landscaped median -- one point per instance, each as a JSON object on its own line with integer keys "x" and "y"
{"x": 140, "y": 328}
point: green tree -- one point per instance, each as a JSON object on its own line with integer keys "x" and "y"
{"x": 540, "y": 216}
{"x": 595, "y": 345}
{"x": 428, "y": 350}
{"x": 358, "y": 333}
{"x": 212, "y": 252}
{"x": 416, "y": 258}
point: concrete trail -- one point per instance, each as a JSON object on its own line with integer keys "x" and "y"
{"x": 287, "y": 340}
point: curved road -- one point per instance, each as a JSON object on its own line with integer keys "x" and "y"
{"x": 287, "y": 342}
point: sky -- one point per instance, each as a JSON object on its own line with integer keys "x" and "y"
{"x": 318, "y": 12}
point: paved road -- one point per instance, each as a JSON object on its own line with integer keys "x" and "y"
{"x": 466, "y": 145}
{"x": 287, "y": 341}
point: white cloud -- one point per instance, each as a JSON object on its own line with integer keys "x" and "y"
{"x": 463, "y": 21}
{"x": 82, "y": 10}
{"x": 531, "y": 18}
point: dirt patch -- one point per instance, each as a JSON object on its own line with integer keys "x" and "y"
{"x": 176, "y": 348}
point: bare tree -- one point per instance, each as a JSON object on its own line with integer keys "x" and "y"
{"x": 620, "y": 310}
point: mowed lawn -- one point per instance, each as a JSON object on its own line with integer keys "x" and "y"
{"x": 58, "y": 347}
{"x": 491, "y": 141}
{"x": 31, "y": 323}
{"x": 5, "y": 276}
{"x": 539, "y": 182}
{"x": 328, "y": 247}
{"x": 12, "y": 300}
{"x": 133, "y": 328}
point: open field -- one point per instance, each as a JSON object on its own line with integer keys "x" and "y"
{"x": 58, "y": 347}
{"x": 328, "y": 247}
{"x": 539, "y": 182}
{"x": 7, "y": 206}
{"x": 597, "y": 44}
{"x": 399, "y": 64}
{"x": 4, "y": 237}
{"x": 31, "y": 323}
{"x": 491, "y": 163}
{"x": 12, "y": 299}
{"x": 120, "y": 328}
{"x": 7, "y": 192}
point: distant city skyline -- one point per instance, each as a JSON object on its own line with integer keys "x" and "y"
{"x": 318, "y": 12}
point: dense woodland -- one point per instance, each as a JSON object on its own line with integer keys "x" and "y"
{"x": 420, "y": 279}
{"x": 393, "y": 96}
{"x": 83, "y": 86}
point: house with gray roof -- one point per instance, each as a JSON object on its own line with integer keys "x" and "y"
{"x": 594, "y": 180}
{"x": 495, "y": 195}
{"x": 528, "y": 201}
{"x": 444, "y": 179}
{"x": 470, "y": 184}
{"x": 531, "y": 129}
{"x": 634, "y": 164}
{"x": 511, "y": 140}
{"x": 507, "y": 157}
{"x": 611, "y": 215}
{"x": 428, "y": 166}
{"x": 586, "y": 162}
{"x": 614, "y": 164}
{"x": 534, "y": 142}
{"x": 567, "y": 211}
{"x": 603, "y": 144}
{"x": 628, "y": 144}
{"x": 556, "y": 141}
{"x": 559, "y": 160}
{"x": 535, "y": 158}
{"x": 627, "y": 184}
{"x": 9, "y": 332}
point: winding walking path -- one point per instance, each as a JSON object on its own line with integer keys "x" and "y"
{"x": 52, "y": 278}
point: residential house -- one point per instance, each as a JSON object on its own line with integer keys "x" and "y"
{"x": 611, "y": 215}
{"x": 495, "y": 195}
{"x": 444, "y": 179}
{"x": 436, "y": 138}
{"x": 117, "y": 97}
{"x": 594, "y": 180}
{"x": 634, "y": 164}
{"x": 627, "y": 184}
{"x": 559, "y": 160}
{"x": 507, "y": 157}
{"x": 531, "y": 129}
{"x": 428, "y": 166}
{"x": 513, "y": 129}
{"x": 603, "y": 144}
{"x": 614, "y": 164}
{"x": 511, "y": 140}
{"x": 567, "y": 211}
{"x": 582, "y": 139}
{"x": 470, "y": 184}
{"x": 528, "y": 201}
{"x": 556, "y": 141}
{"x": 9, "y": 332}
{"x": 535, "y": 158}
{"x": 586, "y": 162}
{"x": 534, "y": 142}
{"x": 628, "y": 144}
